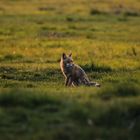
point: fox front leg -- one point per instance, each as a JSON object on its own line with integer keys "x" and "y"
{"x": 68, "y": 81}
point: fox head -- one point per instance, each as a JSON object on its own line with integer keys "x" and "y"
{"x": 67, "y": 60}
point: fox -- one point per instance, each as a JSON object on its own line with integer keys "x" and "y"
{"x": 73, "y": 73}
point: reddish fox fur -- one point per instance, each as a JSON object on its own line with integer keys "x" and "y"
{"x": 73, "y": 73}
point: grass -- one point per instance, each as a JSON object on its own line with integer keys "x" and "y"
{"x": 104, "y": 38}
{"x": 87, "y": 114}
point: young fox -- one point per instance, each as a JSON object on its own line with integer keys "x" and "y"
{"x": 73, "y": 73}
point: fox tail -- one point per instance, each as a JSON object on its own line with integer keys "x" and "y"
{"x": 94, "y": 84}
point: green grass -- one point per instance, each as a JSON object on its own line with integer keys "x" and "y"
{"x": 70, "y": 113}
{"x": 104, "y": 38}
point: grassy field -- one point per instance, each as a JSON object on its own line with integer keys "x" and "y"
{"x": 104, "y": 37}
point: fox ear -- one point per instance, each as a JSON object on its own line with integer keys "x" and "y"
{"x": 70, "y": 54}
{"x": 64, "y": 56}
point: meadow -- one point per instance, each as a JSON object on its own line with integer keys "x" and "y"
{"x": 104, "y": 37}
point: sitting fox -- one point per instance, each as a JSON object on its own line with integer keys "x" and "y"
{"x": 74, "y": 74}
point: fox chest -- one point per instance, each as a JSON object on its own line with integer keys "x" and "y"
{"x": 71, "y": 72}
{"x": 68, "y": 71}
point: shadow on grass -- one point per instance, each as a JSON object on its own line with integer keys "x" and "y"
{"x": 12, "y": 57}
{"x": 65, "y": 116}
{"x": 26, "y": 98}
{"x": 10, "y": 73}
{"x": 96, "y": 68}
{"x": 119, "y": 90}
{"x": 97, "y": 12}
